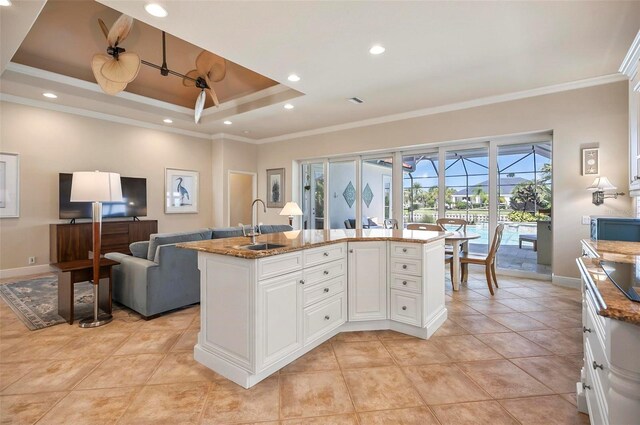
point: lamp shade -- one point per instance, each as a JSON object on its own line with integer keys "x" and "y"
{"x": 291, "y": 209}
{"x": 95, "y": 186}
{"x": 601, "y": 184}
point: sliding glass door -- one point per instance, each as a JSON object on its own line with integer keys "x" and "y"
{"x": 343, "y": 194}
{"x": 313, "y": 195}
{"x": 377, "y": 196}
{"x": 420, "y": 188}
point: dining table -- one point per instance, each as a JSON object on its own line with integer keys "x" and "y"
{"x": 458, "y": 239}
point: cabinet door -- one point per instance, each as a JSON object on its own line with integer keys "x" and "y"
{"x": 367, "y": 286}
{"x": 279, "y": 318}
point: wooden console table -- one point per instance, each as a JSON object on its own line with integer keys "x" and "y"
{"x": 72, "y": 272}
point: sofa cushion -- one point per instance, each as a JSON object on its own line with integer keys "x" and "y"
{"x": 274, "y": 228}
{"x": 158, "y": 239}
{"x": 227, "y": 232}
{"x": 139, "y": 249}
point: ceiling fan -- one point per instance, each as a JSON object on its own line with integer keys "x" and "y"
{"x": 118, "y": 67}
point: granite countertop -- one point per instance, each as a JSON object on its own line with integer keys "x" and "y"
{"x": 611, "y": 301}
{"x": 296, "y": 240}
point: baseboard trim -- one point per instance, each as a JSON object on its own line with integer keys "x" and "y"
{"x": 25, "y": 271}
{"x": 567, "y": 282}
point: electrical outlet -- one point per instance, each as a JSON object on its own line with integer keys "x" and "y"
{"x": 586, "y": 219}
{"x": 31, "y": 260}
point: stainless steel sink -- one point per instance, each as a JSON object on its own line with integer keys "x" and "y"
{"x": 261, "y": 246}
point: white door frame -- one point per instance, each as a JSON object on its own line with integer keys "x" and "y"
{"x": 254, "y": 190}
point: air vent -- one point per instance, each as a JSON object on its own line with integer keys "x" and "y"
{"x": 356, "y": 100}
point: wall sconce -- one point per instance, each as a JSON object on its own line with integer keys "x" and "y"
{"x": 599, "y": 185}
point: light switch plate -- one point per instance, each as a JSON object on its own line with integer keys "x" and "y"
{"x": 586, "y": 219}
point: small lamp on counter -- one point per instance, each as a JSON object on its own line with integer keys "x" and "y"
{"x": 291, "y": 209}
{"x": 598, "y": 187}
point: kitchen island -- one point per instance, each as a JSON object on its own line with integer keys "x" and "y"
{"x": 265, "y": 304}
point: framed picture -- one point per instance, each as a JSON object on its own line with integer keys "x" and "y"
{"x": 181, "y": 191}
{"x": 590, "y": 162}
{"x": 9, "y": 185}
{"x": 275, "y": 188}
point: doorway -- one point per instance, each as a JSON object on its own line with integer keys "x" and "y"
{"x": 241, "y": 191}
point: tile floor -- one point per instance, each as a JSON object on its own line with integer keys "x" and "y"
{"x": 509, "y": 359}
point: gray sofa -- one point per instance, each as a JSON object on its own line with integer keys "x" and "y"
{"x": 159, "y": 277}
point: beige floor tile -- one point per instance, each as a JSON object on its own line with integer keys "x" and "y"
{"x": 522, "y": 305}
{"x": 557, "y": 303}
{"x": 512, "y": 345}
{"x": 313, "y": 394}
{"x": 465, "y": 348}
{"x": 479, "y": 324}
{"x": 122, "y": 371}
{"x": 467, "y": 294}
{"x": 349, "y": 419}
{"x": 33, "y": 348}
{"x": 450, "y": 328}
{"x": 362, "y": 354}
{"x": 445, "y": 383}
{"x": 11, "y": 372}
{"x": 230, "y": 403}
{"x": 526, "y": 292}
{"x": 92, "y": 345}
{"x": 176, "y": 321}
{"x": 491, "y": 306}
{"x": 149, "y": 343}
{"x": 355, "y": 336}
{"x": 476, "y": 413}
{"x": 380, "y": 388}
{"x": 415, "y": 352}
{"x": 187, "y": 341}
{"x": 389, "y": 334}
{"x": 557, "y": 319}
{"x": 555, "y": 341}
{"x": 411, "y": 416}
{"x": 461, "y": 308}
{"x": 58, "y": 375}
{"x": 167, "y": 404}
{"x": 26, "y": 408}
{"x": 90, "y": 407}
{"x": 549, "y": 410}
{"x": 558, "y": 373}
{"x": 320, "y": 358}
{"x": 518, "y": 321}
{"x": 181, "y": 367}
{"x": 502, "y": 379}
{"x": 571, "y": 398}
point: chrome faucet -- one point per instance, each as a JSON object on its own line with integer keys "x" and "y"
{"x": 254, "y": 219}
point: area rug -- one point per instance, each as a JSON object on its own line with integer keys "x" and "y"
{"x": 35, "y": 301}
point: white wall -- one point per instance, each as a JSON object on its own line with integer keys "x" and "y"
{"x": 340, "y": 174}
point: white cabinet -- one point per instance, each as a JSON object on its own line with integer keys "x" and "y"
{"x": 367, "y": 282}
{"x": 630, "y": 67}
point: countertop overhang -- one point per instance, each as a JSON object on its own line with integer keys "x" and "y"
{"x": 297, "y": 240}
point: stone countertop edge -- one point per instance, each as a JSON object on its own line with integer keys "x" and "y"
{"x": 611, "y": 302}
{"x": 296, "y": 241}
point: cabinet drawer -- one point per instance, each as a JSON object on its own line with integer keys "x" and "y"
{"x": 324, "y": 317}
{"x": 279, "y": 265}
{"x": 111, "y": 239}
{"x": 324, "y": 272}
{"x": 324, "y": 254}
{"x": 406, "y": 307}
{"x": 324, "y": 290}
{"x": 406, "y": 250}
{"x": 406, "y": 266}
{"x": 406, "y": 283}
{"x": 597, "y": 354}
{"x": 115, "y": 228}
{"x": 598, "y": 408}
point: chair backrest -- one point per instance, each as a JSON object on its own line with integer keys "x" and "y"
{"x": 422, "y": 226}
{"x": 390, "y": 223}
{"x": 461, "y": 223}
{"x": 495, "y": 244}
{"x": 350, "y": 223}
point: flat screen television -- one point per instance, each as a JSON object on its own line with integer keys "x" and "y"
{"x": 134, "y": 195}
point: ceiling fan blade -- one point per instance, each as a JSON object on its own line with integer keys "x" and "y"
{"x": 107, "y": 86}
{"x": 204, "y": 61}
{"x": 218, "y": 70}
{"x": 192, "y": 74}
{"x": 200, "y": 106}
{"x": 211, "y": 92}
{"x": 120, "y": 30}
{"x": 122, "y": 70}
{"x": 104, "y": 28}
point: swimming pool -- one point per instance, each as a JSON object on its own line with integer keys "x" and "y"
{"x": 510, "y": 235}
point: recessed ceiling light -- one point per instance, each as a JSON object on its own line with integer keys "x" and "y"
{"x": 5, "y": 2}
{"x": 376, "y": 50}
{"x": 156, "y": 10}
{"x": 50, "y": 95}
{"x": 293, "y": 77}
{"x": 288, "y": 106}
{"x": 167, "y": 121}
{"x": 227, "y": 122}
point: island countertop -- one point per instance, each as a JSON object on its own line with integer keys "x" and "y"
{"x": 611, "y": 301}
{"x": 297, "y": 240}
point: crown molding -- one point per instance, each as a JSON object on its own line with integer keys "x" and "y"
{"x": 99, "y": 115}
{"x": 573, "y": 85}
{"x": 629, "y": 65}
{"x": 225, "y": 136}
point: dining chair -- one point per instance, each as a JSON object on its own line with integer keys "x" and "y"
{"x": 460, "y": 222}
{"x": 390, "y": 223}
{"x": 424, "y": 226}
{"x": 488, "y": 261}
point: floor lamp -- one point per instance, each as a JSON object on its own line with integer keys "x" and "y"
{"x": 96, "y": 187}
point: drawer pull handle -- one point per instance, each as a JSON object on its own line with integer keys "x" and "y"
{"x": 597, "y": 366}
{"x": 327, "y": 317}
{"x": 404, "y": 266}
{"x": 301, "y": 281}
{"x": 351, "y": 251}
{"x": 326, "y": 290}
{"x": 404, "y": 307}
{"x": 326, "y": 254}
{"x": 585, "y": 386}
{"x": 404, "y": 282}
{"x": 326, "y": 272}
{"x": 404, "y": 249}
{"x": 585, "y": 329}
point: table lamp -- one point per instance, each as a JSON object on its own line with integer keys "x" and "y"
{"x": 96, "y": 187}
{"x": 291, "y": 209}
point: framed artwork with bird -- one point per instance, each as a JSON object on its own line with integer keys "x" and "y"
{"x": 181, "y": 191}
